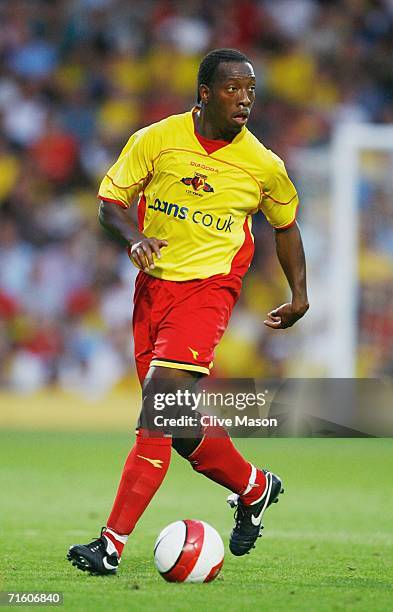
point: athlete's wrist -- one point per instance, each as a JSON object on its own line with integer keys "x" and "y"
{"x": 300, "y": 305}
{"x": 135, "y": 238}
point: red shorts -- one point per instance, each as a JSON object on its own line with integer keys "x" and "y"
{"x": 178, "y": 324}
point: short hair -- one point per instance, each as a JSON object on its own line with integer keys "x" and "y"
{"x": 211, "y": 61}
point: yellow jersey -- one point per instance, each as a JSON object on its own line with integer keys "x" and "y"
{"x": 201, "y": 204}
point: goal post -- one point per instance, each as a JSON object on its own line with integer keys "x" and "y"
{"x": 348, "y": 142}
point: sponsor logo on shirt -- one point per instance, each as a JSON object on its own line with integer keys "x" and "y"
{"x": 199, "y": 217}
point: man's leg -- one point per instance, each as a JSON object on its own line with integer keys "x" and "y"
{"x": 148, "y": 461}
{"x": 254, "y": 490}
{"x": 214, "y": 455}
{"x": 143, "y": 473}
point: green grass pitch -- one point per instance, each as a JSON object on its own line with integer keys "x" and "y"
{"x": 328, "y": 544}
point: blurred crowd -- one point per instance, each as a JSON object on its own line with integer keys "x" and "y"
{"x": 77, "y": 77}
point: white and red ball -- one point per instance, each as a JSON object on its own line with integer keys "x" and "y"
{"x": 189, "y": 551}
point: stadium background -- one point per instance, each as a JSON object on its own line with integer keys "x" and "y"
{"x": 78, "y": 77}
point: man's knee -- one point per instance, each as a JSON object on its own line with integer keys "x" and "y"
{"x": 163, "y": 392}
{"x": 185, "y": 446}
{"x": 164, "y": 381}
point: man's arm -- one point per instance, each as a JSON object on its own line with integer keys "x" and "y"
{"x": 118, "y": 222}
{"x": 290, "y": 253}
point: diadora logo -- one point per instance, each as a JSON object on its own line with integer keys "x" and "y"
{"x": 199, "y": 217}
{"x": 198, "y": 183}
{"x": 203, "y": 167}
{"x": 195, "y": 353}
{"x": 157, "y": 463}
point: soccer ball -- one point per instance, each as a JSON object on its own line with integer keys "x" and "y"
{"x": 189, "y": 551}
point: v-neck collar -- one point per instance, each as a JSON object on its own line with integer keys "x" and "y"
{"x": 225, "y": 144}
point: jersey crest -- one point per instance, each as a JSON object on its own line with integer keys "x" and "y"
{"x": 198, "y": 182}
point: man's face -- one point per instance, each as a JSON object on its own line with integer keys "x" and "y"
{"x": 230, "y": 98}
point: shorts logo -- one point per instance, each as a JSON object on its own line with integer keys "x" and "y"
{"x": 195, "y": 354}
{"x": 198, "y": 182}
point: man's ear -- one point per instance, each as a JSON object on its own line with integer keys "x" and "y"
{"x": 204, "y": 93}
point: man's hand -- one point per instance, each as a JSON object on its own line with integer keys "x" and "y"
{"x": 143, "y": 251}
{"x": 285, "y": 315}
